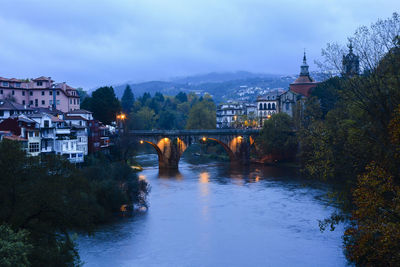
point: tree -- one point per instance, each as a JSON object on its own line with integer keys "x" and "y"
{"x": 166, "y": 120}
{"x": 277, "y": 135}
{"x": 202, "y": 115}
{"x": 46, "y": 199}
{"x": 14, "y": 247}
{"x": 127, "y": 100}
{"x": 182, "y": 97}
{"x": 82, "y": 94}
{"x": 142, "y": 120}
{"x": 104, "y": 104}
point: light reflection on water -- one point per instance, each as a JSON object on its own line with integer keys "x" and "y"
{"x": 213, "y": 215}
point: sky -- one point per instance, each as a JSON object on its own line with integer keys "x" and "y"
{"x": 91, "y": 43}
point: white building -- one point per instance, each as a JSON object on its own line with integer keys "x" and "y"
{"x": 267, "y": 105}
{"x": 228, "y": 113}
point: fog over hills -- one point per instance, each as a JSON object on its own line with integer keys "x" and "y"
{"x": 222, "y": 86}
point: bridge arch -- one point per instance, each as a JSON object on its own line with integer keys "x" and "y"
{"x": 170, "y": 145}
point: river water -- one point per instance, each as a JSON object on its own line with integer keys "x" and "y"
{"x": 213, "y": 215}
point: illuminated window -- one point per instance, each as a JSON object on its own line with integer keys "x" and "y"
{"x": 33, "y": 147}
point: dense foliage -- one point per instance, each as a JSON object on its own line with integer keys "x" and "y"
{"x": 167, "y": 113}
{"x": 277, "y": 137}
{"x": 103, "y": 103}
{"x": 43, "y": 200}
{"x": 349, "y": 133}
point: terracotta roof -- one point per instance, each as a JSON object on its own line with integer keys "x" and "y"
{"x": 304, "y": 79}
{"x": 42, "y": 78}
{"x": 14, "y": 138}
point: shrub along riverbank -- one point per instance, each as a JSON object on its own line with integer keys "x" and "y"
{"x": 44, "y": 199}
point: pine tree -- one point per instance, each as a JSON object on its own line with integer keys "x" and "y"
{"x": 127, "y": 100}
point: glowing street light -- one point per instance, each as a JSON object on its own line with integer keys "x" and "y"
{"x": 204, "y": 139}
{"x": 141, "y": 141}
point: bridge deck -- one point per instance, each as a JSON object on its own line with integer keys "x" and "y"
{"x": 194, "y": 132}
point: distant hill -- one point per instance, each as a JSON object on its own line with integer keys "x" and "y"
{"x": 239, "y": 85}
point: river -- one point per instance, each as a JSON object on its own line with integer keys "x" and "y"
{"x": 212, "y": 215}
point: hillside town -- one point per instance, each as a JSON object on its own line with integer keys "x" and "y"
{"x": 252, "y": 115}
{"x": 45, "y": 117}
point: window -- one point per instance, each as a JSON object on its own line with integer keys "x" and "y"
{"x": 30, "y": 93}
{"x": 18, "y": 85}
{"x": 50, "y": 92}
{"x": 260, "y": 106}
{"x": 30, "y": 134}
{"x": 74, "y": 101}
{"x": 273, "y": 106}
{"x": 43, "y": 102}
{"x": 57, "y": 102}
{"x": 11, "y": 112}
{"x": 42, "y": 92}
{"x": 33, "y": 147}
{"x": 265, "y": 105}
{"x": 70, "y": 101}
{"x": 1, "y": 113}
{"x": 269, "y": 105}
{"x": 77, "y": 101}
{"x": 287, "y": 106}
{"x": 23, "y": 102}
{"x": 58, "y": 92}
{"x": 5, "y": 84}
{"x": 39, "y": 83}
{"x": 13, "y": 92}
{"x": 31, "y": 102}
{"x": 50, "y": 102}
{"x": 36, "y": 102}
{"x": 1, "y": 92}
{"x": 23, "y": 92}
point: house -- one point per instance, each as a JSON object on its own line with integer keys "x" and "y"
{"x": 98, "y": 137}
{"x": 40, "y": 92}
{"x": 228, "y": 113}
{"x": 9, "y": 108}
{"x": 23, "y": 128}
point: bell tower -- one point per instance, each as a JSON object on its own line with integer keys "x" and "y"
{"x": 350, "y": 63}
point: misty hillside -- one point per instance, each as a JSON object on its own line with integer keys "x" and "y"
{"x": 241, "y": 85}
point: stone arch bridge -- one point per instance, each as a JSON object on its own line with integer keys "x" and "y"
{"x": 170, "y": 144}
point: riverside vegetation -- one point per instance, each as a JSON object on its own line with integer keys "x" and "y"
{"x": 44, "y": 200}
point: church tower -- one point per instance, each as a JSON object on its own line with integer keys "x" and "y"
{"x": 304, "y": 83}
{"x": 351, "y": 63}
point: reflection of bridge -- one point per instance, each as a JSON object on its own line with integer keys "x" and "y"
{"x": 170, "y": 144}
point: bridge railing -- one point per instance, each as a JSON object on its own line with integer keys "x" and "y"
{"x": 195, "y": 132}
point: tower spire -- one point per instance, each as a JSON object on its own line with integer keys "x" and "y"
{"x": 304, "y": 67}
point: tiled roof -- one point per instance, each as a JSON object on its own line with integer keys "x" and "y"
{"x": 6, "y": 104}
{"x": 14, "y": 138}
{"x": 74, "y": 118}
{"x": 79, "y": 111}
{"x": 42, "y": 78}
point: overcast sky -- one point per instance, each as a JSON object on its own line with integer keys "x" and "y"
{"x": 91, "y": 43}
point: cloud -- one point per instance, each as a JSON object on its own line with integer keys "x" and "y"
{"x": 91, "y": 43}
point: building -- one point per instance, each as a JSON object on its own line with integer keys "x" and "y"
{"x": 267, "y": 105}
{"x": 98, "y": 137}
{"x": 228, "y": 114}
{"x": 304, "y": 83}
{"x": 298, "y": 90}
{"x": 23, "y": 129}
{"x": 40, "y": 92}
{"x": 9, "y": 108}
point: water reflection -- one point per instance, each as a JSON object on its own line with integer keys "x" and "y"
{"x": 204, "y": 215}
{"x": 170, "y": 174}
